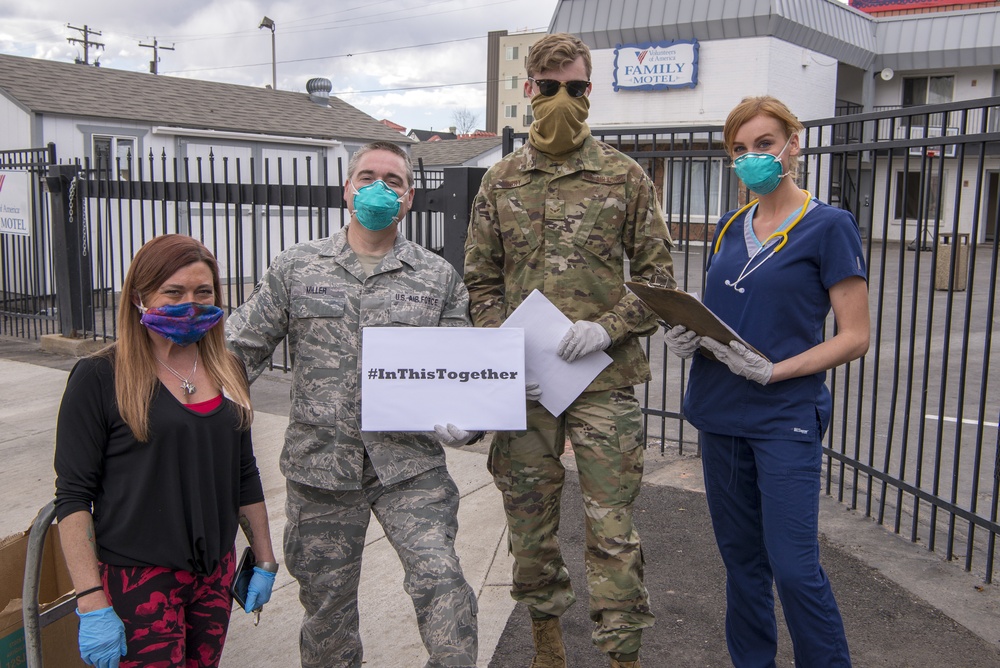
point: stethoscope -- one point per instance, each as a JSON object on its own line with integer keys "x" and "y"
{"x": 781, "y": 232}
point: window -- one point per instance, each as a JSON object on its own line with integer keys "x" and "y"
{"x": 529, "y": 118}
{"x": 694, "y": 185}
{"x": 511, "y": 53}
{"x": 510, "y": 83}
{"x": 928, "y": 90}
{"x": 995, "y": 111}
{"x": 114, "y": 155}
{"x": 917, "y": 196}
{"x": 510, "y": 111}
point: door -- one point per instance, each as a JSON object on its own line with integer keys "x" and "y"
{"x": 991, "y": 211}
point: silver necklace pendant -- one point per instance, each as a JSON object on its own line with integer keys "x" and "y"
{"x": 186, "y": 385}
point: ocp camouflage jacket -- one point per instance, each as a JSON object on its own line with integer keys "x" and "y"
{"x": 566, "y": 230}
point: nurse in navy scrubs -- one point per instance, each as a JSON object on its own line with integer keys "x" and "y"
{"x": 777, "y": 267}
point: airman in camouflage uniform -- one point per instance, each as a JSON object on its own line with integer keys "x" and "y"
{"x": 560, "y": 215}
{"x": 320, "y": 294}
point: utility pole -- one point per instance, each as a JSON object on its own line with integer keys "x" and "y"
{"x": 156, "y": 54}
{"x": 269, "y": 23}
{"x": 86, "y": 41}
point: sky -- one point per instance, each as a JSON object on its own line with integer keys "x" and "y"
{"x": 414, "y": 62}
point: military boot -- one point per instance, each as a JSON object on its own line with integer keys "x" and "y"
{"x": 630, "y": 660}
{"x": 615, "y": 663}
{"x": 549, "y": 649}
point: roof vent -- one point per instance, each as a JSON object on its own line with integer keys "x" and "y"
{"x": 319, "y": 90}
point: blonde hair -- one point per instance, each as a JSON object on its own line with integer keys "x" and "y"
{"x": 761, "y": 105}
{"x": 132, "y": 353}
{"x": 555, "y": 51}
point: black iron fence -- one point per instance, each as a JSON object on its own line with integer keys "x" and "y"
{"x": 914, "y": 442}
{"x": 245, "y": 220}
{"x": 26, "y": 294}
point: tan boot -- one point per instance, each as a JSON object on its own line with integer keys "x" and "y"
{"x": 549, "y": 649}
{"x": 615, "y": 663}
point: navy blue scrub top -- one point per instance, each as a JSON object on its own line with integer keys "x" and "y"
{"x": 781, "y": 312}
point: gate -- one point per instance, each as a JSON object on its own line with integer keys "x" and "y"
{"x": 27, "y": 295}
{"x": 914, "y": 441}
{"x": 109, "y": 210}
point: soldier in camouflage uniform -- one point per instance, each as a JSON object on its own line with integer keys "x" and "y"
{"x": 559, "y": 215}
{"x": 320, "y": 294}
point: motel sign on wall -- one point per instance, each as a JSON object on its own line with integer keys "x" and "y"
{"x": 656, "y": 66}
{"x": 14, "y": 202}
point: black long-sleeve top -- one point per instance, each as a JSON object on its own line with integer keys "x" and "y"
{"x": 173, "y": 501}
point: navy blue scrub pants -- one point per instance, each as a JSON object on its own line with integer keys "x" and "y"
{"x": 763, "y": 496}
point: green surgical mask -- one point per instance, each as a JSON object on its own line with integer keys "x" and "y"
{"x": 376, "y": 205}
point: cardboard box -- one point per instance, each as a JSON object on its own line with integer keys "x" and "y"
{"x": 60, "y": 648}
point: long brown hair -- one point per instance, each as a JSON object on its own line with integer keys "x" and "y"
{"x": 135, "y": 366}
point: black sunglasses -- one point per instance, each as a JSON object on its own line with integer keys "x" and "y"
{"x": 549, "y": 87}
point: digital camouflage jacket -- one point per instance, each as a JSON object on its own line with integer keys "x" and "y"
{"x": 317, "y": 295}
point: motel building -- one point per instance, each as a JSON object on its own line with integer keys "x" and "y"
{"x": 675, "y": 64}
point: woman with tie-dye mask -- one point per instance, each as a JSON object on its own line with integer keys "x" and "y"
{"x": 155, "y": 471}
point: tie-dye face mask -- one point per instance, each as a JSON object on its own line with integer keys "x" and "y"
{"x": 182, "y": 324}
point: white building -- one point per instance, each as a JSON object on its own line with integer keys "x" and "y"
{"x": 134, "y": 128}
{"x": 823, "y": 58}
{"x": 101, "y": 113}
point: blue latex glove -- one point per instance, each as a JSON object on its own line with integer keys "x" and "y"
{"x": 259, "y": 589}
{"x": 102, "y": 638}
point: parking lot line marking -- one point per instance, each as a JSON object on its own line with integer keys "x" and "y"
{"x": 965, "y": 421}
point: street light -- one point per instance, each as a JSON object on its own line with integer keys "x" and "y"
{"x": 268, "y": 23}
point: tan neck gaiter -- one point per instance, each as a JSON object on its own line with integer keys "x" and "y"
{"x": 560, "y": 123}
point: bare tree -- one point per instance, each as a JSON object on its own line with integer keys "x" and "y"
{"x": 465, "y": 120}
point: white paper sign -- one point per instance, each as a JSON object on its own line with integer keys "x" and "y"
{"x": 15, "y": 198}
{"x": 544, "y": 326}
{"x": 413, "y": 378}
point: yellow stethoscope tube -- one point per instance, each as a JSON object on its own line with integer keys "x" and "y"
{"x": 777, "y": 233}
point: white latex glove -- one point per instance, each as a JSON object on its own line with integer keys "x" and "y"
{"x": 451, "y": 435}
{"x": 583, "y": 338}
{"x": 533, "y": 391}
{"x": 682, "y": 341}
{"x": 741, "y": 360}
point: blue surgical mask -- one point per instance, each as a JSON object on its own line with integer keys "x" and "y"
{"x": 760, "y": 172}
{"x": 376, "y": 205}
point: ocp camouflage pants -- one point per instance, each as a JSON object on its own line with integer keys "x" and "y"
{"x": 324, "y": 539}
{"x": 605, "y": 429}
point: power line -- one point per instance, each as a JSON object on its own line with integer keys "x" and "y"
{"x": 331, "y": 57}
{"x": 425, "y": 87}
{"x": 336, "y": 25}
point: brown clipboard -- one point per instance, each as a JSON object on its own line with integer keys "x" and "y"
{"x": 676, "y": 307}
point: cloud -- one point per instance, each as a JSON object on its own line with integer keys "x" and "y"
{"x": 396, "y": 44}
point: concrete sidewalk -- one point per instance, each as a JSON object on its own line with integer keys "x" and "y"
{"x": 27, "y": 433}
{"x": 876, "y": 569}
